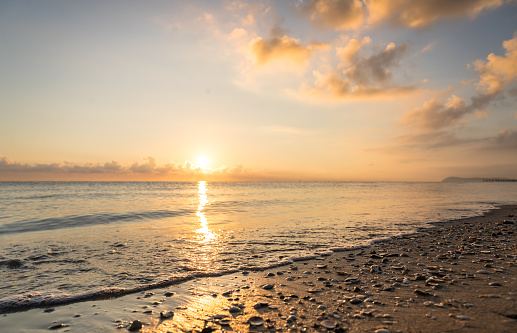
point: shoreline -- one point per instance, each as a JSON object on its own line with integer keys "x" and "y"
{"x": 457, "y": 275}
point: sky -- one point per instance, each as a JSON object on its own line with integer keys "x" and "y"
{"x": 313, "y": 90}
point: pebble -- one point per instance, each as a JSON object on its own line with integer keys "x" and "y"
{"x": 234, "y": 309}
{"x": 268, "y": 286}
{"x": 382, "y": 330}
{"x": 166, "y": 314}
{"x": 57, "y": 326}
{"x": 135, "y": 325}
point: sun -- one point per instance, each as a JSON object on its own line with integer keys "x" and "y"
{"x": 202, "y": 162}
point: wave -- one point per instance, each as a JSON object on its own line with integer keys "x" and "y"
{"x": 72, "y": 221}
{"x": 31, "y": 300}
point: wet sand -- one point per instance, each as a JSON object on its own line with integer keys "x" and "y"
{"x": 460, "y": 276}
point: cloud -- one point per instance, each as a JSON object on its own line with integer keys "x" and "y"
{"x": 496, "y": 75}
{"x": 6, "y": 165}
{"x": 354, "y": 14}
{"x": 362, "y": 76}
{"x": 433, "y": 115}
{"x": 148, "y": 170}
{"x": 506, "y": 139}
{"x": 423, "y": 13}
{"x": 335, "y": 14}
{"x": 497, "y": 72}
{"x": 282, "y": 47}
{"x": 433, "y": 140}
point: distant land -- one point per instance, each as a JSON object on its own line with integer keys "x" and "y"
{"x": 476, "y": 180}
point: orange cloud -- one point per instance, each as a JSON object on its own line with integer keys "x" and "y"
{"x": 265, "y": 51}
{"x": 335, "y": 14}
{"x": 423, "y": 13}
{"x": 353, "y": 14}
{"x": 498, "y": 71}
{"x": 433, "y": 115}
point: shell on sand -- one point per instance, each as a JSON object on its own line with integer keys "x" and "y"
{"x": 330, "y": 324}
{"x": 256, "y": 321}
{"x": 225, "y": 322}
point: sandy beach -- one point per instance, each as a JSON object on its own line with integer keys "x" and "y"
{"x": 459, "y": 276}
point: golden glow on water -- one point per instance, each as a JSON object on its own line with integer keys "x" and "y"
{"x": 204, "y": 231}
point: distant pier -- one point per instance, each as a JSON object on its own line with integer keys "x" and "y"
{"x": 502, "y": 180}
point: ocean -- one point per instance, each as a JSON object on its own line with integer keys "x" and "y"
{"x": 71, "y": 241}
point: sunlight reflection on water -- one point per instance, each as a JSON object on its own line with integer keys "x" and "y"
{"x": 204, "y": 231}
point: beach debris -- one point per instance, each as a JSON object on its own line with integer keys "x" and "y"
{"x": 135, "y": 325}
{"x": 166, "y": 314}
{"x": 255, "y": 321}
{"x": 330, "y": 324}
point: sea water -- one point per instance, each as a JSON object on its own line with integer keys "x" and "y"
{"x": 67, "y": 241}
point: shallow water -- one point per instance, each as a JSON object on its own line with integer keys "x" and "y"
{"x": 81, "y": 238}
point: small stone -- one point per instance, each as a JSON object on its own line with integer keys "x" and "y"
{"x": 292, "y": 319}
{"x": 234, "y": 309}
{"x": 268, "y": 286}
{"x": 462, "y": 318}
{"x": 166, "y": 314}
{"x": 494, "y": 284}
{"x": 49, "y": 310}
{"x": 489, "y": 296}
{"x": 382, "y": 330}
{"x": 375, "y": 269}
{"x": 13, "y": 263}
{"x": 135, "y": 325}
{"x": 57, "y": 326}
{"x": 422, "y": 293}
